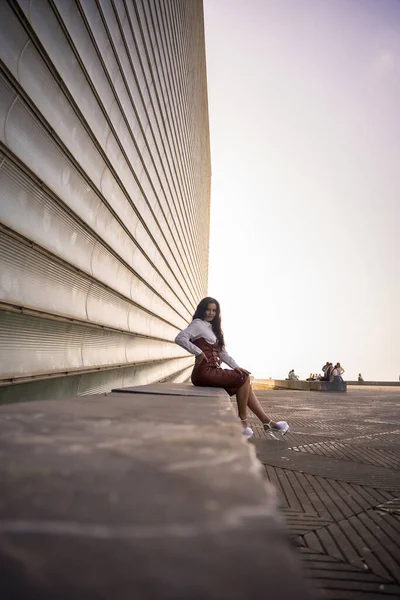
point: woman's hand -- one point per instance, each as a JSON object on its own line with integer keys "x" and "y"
{"x": 242, "y": 371}
{"x": 200, "y": 358}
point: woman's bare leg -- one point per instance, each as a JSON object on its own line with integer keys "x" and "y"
{"x": 257, "y": 409}
{"x": 242, "y": 399}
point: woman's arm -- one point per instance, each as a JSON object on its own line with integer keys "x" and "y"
{"x": 224, "y": 356}
{"x": 183, "y": 338}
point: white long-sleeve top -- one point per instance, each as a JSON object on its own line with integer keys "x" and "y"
{"x": 201, "y": 329}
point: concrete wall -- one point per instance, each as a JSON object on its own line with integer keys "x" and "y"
{"x": 104, "y": 192}
{"x": 375, "y": 383}
{"x": 309, "y": 386}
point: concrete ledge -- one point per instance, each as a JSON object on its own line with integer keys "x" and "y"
{"x": 375, "y": 383}
{"x": 137, "y": 495}
{"x": 173, "y": 389}
{"x": 309, "y": 386}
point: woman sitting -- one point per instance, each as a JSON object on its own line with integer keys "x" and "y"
{"x": 205, "y": 339}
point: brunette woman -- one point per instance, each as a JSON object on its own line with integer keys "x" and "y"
{"x": 205, "y": 339}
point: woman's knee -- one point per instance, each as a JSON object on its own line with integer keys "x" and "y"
{"x": 246, "y": 383}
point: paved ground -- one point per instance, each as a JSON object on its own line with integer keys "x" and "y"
{"x": 338, "y": 478}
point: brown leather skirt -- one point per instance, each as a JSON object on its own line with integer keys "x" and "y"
{"x": 210, "y": 374}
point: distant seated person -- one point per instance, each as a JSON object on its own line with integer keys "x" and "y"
{"x": 360, "y": 377}
{"x": 293, "y": 376}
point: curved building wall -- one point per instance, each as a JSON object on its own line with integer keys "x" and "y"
{"x": 104, "y": 192}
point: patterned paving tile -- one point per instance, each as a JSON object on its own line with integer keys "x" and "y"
{"x": 327, "y": 498}
{"x": 391, "y": 506}
{"x": 326, "y": 466}
{"x": 367, "y": 540}
{"x": 339, "y": 580}
{"x": 370, "y": 456}
{"x": 300, "y": 523}
{"x": 337, "y": 476}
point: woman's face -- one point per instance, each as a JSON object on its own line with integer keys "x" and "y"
{"x": 211, "y": 311}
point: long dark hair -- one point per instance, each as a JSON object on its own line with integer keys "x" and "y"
{"x": 215, "y": 323}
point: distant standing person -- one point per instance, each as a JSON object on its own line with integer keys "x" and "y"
{"x": 324, "y": 370}
{"x": 339, "y": 372}
{"x": 335, "y": 374}
{"x": 328, "y": 372}
{"x": 205, "y": 339}
{"x": 339, "y": 368}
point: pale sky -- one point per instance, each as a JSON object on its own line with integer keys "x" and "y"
{"x": 304, "y": 101}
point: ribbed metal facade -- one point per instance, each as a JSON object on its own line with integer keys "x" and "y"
{"x": 104, "y": 192}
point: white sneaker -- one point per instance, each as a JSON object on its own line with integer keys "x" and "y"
{"x": 248, "y": 432}
{"x": 283, "y": 427}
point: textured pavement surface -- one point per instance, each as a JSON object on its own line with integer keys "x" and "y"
{"x": 337, "y": 474}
